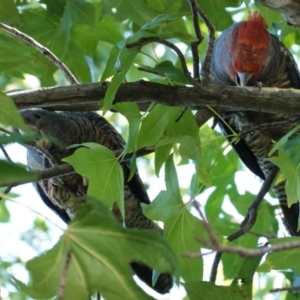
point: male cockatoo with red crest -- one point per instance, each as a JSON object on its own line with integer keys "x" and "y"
{"x": 246, "y": 54}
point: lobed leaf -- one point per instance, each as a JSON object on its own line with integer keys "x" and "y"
{"x": 100, "y": 254}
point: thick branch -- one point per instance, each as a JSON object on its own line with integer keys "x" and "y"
{"x": 87, "y": 96}
{"x": 290, "y": 9}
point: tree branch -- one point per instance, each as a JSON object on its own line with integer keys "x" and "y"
{"x": 86, "y": 97}
{"x": 195, "y": 44}
{"x": 290, "y": 9}
{"x": 66, "y": 169}
{"x": 249, "y": 220}
{"x": 152, "y": 39}
{"x": 213, "y": 243}
{"x": 210, "y": 47}
{"x": 288, "y": 289}
{"x": 243, "y": 251}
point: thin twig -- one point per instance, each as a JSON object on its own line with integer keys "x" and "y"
{"x": 267, "y": 236}
{"x": 7, "y": 190}
{"x": 5, "y": 130}
{"x": 214, "y": 244}
{"x": 5, "y": 153}
{"x": 243, "y": 251}
{"x": 209, "y": 230}
{"x": 151, "y": 71}
{"x": 249, "y": 220}
{"x": 45, "y": 51}
{"x": 252, "y": 210}
{"x": 63, "y": 279}
{"x": 195, "y": 44}
{"x": 66, "y": 169}
{"x": 153, "y": 39}
{"x": 210, "y": 47}
{"x": 288, "y": 289}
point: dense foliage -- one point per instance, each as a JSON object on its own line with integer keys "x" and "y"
{"x": 90, "y": 37}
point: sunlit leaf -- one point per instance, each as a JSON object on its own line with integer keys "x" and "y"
{"x": 155, "y": 123}
{"x": 4, "y": 212}
{"x": 243, "y": 281}
{"x": 122, "y": 64}
{"x": 282, "y": 142}
{"x": 180, "y": 226}
{"x": 100, "y": 254}
{"x": 291, "y": 173}
{"x": 133, "y": 115}
{"x": 167, "y": 69}
{"x": 103, "y": 171}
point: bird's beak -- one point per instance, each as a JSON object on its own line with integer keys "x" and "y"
{"x": 242, "y": 78}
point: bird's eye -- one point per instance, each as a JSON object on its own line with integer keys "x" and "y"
{"x": 37, "y": 116}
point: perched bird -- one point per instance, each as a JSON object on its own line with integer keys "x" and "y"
{"x": 246, "y": 54}
{"x": 59, "y": 130}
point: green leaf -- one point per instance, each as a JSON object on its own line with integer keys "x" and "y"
{"x": 15, "y": 137}
{"x": 14, "y": 173}
{"x": 132, "y": 113}
{"x": 126, "y": 56}
{"x": 9, "y": 114}
{"x": 292, "y": 149}
{"x": 9, "y": 13}
{"x": 122, "y": 64}
{"x": 4, "y": 212}
{"x": 155, "y": 123}
{"x": 185, "y": 132}
{"x": 13, "y": 53}
{"x": 282, "y": 142}
{"x": 38, "y": 25}
{"x": 284, "y": 259}
{"x": 207, "y": 291}
{"x": 242, "y": 283}
{"x": 135, "y": 10}
{"x": 54, "y": 7}
{"x": 78, "y": 11}
{"x": 100, "y": 254}
{"x": 161, "y": 21}
{"x": 291, "y": 173}
{"x": 105, "y": 175}
{"x": 106, "y": 30}
{"x": 167, "y": 69}
{"x": 109, "y": 30}
{"x": 217, "y": 13}
{"x": 110, "y": 64}
{"x": 76, "y": 61}
{"x": 161, "y": 154}
{"x": 180, "y": 226}
{"x": 232, "y": 263}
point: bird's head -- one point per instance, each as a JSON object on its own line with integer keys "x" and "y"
{"x": 49, "y": 126}
{"x": 249, "y": 50}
